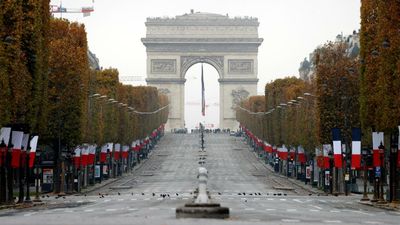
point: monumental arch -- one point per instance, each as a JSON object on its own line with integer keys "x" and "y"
{"x": 230, "y": 45}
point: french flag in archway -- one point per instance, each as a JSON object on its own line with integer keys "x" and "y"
{"x": 356, "y": 148}
{"x": 377, "y": 140}
{"x": 203, "y": 97}
{"x": 337, "y": 147}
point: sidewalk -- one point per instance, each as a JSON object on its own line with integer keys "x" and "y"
{"x": 300, "y": 184}
{"x": 86, "y": 190}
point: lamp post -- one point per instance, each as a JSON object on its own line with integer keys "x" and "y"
{"x": 28, "y": 197}
{"x": 37, "y": 178}
{"x": 332, "y": 182}
{"x": 393, "y": 167}
{"x": 381, "y": 180}
{"x": 365, "y": 175}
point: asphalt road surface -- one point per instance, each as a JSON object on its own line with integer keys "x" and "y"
{"x": 237, "y": 179}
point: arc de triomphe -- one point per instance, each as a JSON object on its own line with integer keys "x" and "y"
{"x": 230, "y": 45}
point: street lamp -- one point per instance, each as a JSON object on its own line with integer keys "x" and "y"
{"x": 393, "y": 167}
{"x": 37, "y": 178}
{"x": 365, "y": 175}
{"x": 382, "y": 158}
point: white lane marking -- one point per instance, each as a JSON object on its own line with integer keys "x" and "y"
{"x": 290, "y": 220}
{"x": 159, "y": 199}
{"x": 88, "y": 210}
{"x": 270, "y": 209}
{"x": 133, "y": 199}
{"x": 79, "y": 201}
{"x": 30, "y": 214}
{"x": 317, "y": 207}
{"x": 249, "y": 209}
{"x": 298, "y": 200}
{"x": 322, "y": 200}
{"x": 185, "y": 198}
{"x": 132, "y": 209}
{"x": 107, "y": 200}
{"x": 111, "y": 210}
{"x": 69, "y": 211}
{"x": 283, "y": 199}
{"x": 146, "y": 199}
{"x": 372, "y": 222}
{"x": 361, "y": 212}
{"x": 332, "y": 221}
{"x": 291, "y": 210}
{"x": 314, "y": 210}
{"x": 120, "y": 200}
{"x": 334, "y": 211}
{"x": 270, "y": 199}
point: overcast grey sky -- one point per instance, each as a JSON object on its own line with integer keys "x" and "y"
{"x": 291, "y": 29}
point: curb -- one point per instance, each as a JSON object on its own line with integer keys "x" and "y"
{"x": 21, "y": 205}
{"x": 380, "y": 206}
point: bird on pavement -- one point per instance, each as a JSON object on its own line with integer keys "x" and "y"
{"x": 142, "y": 193}
{"x": 119, "y": 193}
{"x": 219, "y": 193}
{"x": 176, "y": 194}
{"x": 154, "y": 194}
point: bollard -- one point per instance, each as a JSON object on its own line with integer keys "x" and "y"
{"x": 202, "y": 207}
{"x": 203, "y": 177}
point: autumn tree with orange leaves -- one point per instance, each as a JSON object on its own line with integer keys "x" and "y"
{"x": 24, "y": 28}
{"x": 380, "y": 66}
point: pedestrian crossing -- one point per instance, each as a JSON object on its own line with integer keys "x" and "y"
{"x": 252, "y": 207}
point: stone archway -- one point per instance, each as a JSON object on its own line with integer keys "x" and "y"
{"x": 230, "y": 45}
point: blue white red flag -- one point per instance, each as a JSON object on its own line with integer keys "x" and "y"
{"x": 356, "y": 148}
{"x": 337, "y": 147}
